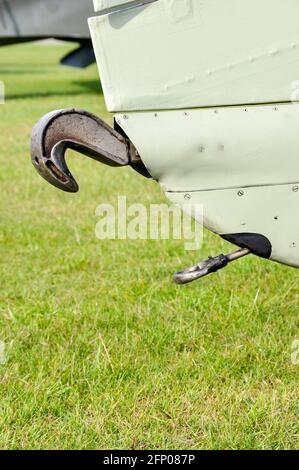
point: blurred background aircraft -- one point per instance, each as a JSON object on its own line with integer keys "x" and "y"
{"x": 30, "y": 20}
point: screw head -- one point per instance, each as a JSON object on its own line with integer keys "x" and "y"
{"x": 187, "y": 197}
{"x": 295, "y": 189}
{"x": 241, "y": 193}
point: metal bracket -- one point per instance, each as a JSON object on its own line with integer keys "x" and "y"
{"x": 207, "y": 267}
{"x": 78, "y": 130}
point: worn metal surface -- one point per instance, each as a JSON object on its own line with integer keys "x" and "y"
{"x": 78, "y": 130}
{"x": 209, "y": 266}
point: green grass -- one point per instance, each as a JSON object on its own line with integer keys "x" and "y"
{"x": 103, "y": 351}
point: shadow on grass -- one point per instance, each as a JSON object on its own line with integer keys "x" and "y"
{"x": 93, "y": 86}
{"x": 22, "y": 71}
{"x": 82, "y": 88}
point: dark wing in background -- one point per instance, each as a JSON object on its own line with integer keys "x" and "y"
{"x": 41, "y": 19}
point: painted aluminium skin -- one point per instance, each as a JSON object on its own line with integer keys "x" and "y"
{"x": 207, "y": 91}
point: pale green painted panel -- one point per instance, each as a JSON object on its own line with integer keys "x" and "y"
{"x": 185, "y": 53}
{"x": 269, "y": 211}
{"x": 231, "y": 147}
{"x": 241, "y": 164}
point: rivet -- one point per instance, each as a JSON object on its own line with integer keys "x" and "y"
{"x": 156, "y": 114}
{"x": 295, "y": 189}
{"x": 126, "y": 117}
{"x": 241, "y": 193}
{"x": 187, "y": 197}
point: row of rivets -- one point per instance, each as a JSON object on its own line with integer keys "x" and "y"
{"x": 241, "y": 193}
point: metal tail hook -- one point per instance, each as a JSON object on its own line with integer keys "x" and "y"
{"x": 79, "y": 130}
{"x": 209, "y": 266}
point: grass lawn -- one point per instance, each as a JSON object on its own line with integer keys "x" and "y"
{"x": 103, "y": 351}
